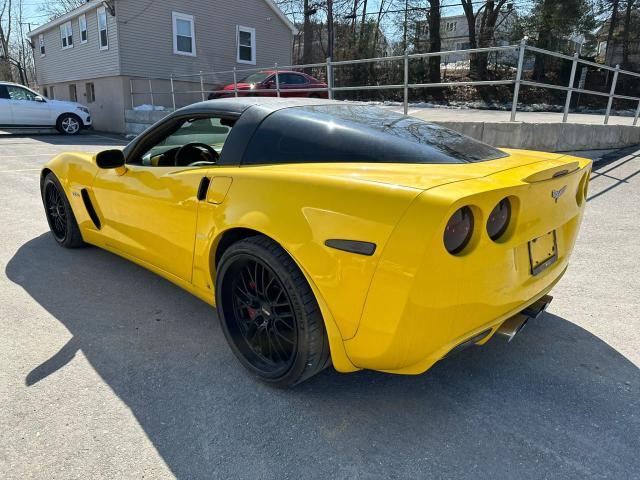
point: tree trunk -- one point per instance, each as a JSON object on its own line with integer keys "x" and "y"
{"x": 467, "y": 5}
{"x": 625, "y": 38}
{"x": 485, "y": 38}
{"x": 330, "y": 34}
{"x": 307, "y": 52}
{"x": 610, "y": 51}
{"x": 435, "y": 41}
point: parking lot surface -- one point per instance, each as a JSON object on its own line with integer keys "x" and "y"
{"x": 108, "y": 371}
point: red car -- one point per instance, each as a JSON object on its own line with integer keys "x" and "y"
{"x": 266, "y": 80}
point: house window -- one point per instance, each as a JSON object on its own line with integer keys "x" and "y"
{"x": 90, "y": 92}
{"x": 82, "y": 23}
{"x": 41, "y": 44}
{"x": 73, "y": 93}
{"x": 184, "y": 39}
{"x": 451, "y": 26}
{"x": 66, "y": 33}
{"x": 52, "y": 93}
{"x": 246, "y": 42}
{"x": 45, "y": 92}
{"x": 103, "y": 33}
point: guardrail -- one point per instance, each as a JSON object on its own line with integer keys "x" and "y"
{"x": 331, "y": 89}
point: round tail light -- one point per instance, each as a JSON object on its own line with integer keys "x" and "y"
{"x": 499, "y": 218}
{"x": 458, "y": 231}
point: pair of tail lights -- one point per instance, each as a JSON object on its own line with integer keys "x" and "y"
{"x": 459, "y": 229}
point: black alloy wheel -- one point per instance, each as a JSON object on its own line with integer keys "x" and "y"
{"x": 60, "y": 217}
{"x": 269, "y": 314}
{"x": 56, "y": 211}
{"x": 263, "y": 315}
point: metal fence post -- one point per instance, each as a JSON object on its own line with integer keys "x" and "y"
{"x": 406, "y": 83}
{"x": 235, "y": 83}
{"x": 329, "y": 78}
{"x": 277, "y": 81}
{"x": 516, "y": 88}
{"x": 151, "y": 93}
{"x": 567, "y": 103}
{"x": 173, "y": 93}
{"x": 131, "y": 89}
{"x": 611, "y": 94}
{"x": 202, "y": 86}
{"x": 635, "y": 120}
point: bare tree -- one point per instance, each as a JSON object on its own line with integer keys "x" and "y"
{"x": 6, "y": 24}
{"x": 60, "y": 7}
{"x": 489, "y": 13}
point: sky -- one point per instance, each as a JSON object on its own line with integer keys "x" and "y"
{"x": 35, "y": 16}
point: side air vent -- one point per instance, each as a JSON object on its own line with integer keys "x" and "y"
{"x": 90, "y": 210}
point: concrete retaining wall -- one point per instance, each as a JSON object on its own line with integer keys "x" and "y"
{"x": 548, "y": 137}
{"x": 137, "y": 121}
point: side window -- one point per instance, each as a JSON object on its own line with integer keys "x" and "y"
{"x": 82, "y": 23}
{"x": 17, "y": 93}
{"x": 246, "y": 44}
{"x": 209, "y": 132}
{"x": 4, "y": 93}
{"x": 184, "y": 42}
{"x": 291, "y": 79}
{"x": 103, "y": 34}
{"x": 66, "y": 34}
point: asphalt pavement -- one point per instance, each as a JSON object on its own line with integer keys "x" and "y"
{"x": 108, "y": 371}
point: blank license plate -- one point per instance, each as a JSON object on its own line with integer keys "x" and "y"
{"x": 543, "y": 252}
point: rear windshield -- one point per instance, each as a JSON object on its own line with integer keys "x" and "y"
{"x": 359, "y": 133}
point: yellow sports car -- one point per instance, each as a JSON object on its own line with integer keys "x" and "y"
{"x": 327, "y": 232}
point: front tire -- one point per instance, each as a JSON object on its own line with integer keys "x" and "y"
{"x": 69, "y": 124}
{"x": 60, "y": 217}
{"x": 269, "y": 314}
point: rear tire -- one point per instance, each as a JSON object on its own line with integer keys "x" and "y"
{"x": 268, "y": 313}
{"x": 69, "y": 124}
{"x": 60, "y": 217}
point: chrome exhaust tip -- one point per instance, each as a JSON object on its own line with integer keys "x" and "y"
{"x": 514, "y": 325}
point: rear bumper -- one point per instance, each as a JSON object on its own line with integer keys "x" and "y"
{"x": 423, "y": 302}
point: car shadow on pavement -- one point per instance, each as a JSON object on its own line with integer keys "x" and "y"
{"x": 556, "y": 402}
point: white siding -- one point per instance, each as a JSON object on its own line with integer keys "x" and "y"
{"x": 84, "y": 60}
{"x": 147, "y": 41}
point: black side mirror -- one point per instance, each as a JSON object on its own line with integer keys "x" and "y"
{"x": 110, "y": 159}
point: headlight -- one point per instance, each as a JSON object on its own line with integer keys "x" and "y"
{"x": 458, "y": 231}
{"x": 499, "y": 218}
{"x": 84, "y": 109}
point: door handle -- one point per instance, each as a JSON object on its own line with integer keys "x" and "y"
{"x": 203, "y": 188}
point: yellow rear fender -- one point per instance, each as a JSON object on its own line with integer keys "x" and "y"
{"x": 301, "y": 217}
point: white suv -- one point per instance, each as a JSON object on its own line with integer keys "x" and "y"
{"x": 21, "y": 107}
